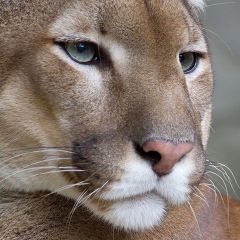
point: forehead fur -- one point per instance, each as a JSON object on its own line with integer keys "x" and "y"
{"x": 199, "y": 4}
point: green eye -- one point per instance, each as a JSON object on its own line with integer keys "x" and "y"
{"x": 188, "y": 61}
{"x": 82, "y": 52}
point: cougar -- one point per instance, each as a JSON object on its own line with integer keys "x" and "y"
{"x": 105, "y": 108}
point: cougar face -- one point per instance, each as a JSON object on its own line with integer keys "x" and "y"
{"x": 105, "y": 102}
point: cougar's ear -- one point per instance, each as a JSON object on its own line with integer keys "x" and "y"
{"x": 198, "y": 4}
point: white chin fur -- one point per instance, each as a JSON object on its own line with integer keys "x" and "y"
{"x": 136, "y": 214}
{"x": 140, "y": 199}
{"x": 174, "y": 187}
{"x": 199, "y": 4}
{"x": 138, "y": 179}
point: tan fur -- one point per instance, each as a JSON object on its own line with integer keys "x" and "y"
{"x": 39, "y": 217}
{"x": 57, "y": 113}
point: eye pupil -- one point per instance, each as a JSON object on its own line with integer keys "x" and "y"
{"x": 81, "y": 47}
{"x": 181, "y": 58}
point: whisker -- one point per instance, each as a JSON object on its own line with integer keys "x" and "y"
{"x": 220, "y": 39}
{"x": 224, "y": 188}
{"x": 66, "y": 170}
{"x": 67, "y": 187}
{"x": 222, "y": 171}
{"x": 219, "y": 192}
{"x": 195, "y": 217}
{"x": 214, "y": 46}
{"x": 34, "y": 152}
{"x": 212, "y": 187}
{"x": 94, "y": 192}
{"x": 203, "y": 197}
{"x": 75, "y": 206}
{"x": 42, "y": 161}
{"x": 81, "y": 200}
{"x": 195, "y": 194}
{"x": 226, "y": 177}
{"x": 235, "y": 180}
{"x": 217, "y": 4}
{"x": 28, "y": 170}
{"x": 99, "y": 170}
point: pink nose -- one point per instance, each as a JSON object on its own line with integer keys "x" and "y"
{"x": 170, "y": 154}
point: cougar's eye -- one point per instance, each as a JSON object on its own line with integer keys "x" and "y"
{"x": 82, "y": 52}
{"x": 188, "y": 61}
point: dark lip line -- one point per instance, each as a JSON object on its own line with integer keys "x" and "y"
{"x": 153, "y": 191}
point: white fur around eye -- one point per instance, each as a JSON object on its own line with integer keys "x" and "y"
{"x": 199, "y": 4}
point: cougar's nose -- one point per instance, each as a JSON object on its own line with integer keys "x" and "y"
{"x": 169, "y": 154}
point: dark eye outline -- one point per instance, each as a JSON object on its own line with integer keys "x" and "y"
{"x": 94, "y": 60}
{"x": 194, "y": 65}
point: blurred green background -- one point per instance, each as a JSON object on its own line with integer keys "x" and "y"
{"x": 222, "y": 23}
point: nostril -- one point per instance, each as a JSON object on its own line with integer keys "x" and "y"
{"x": 169, "y": 152}
{"x": 152, "y": 156}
